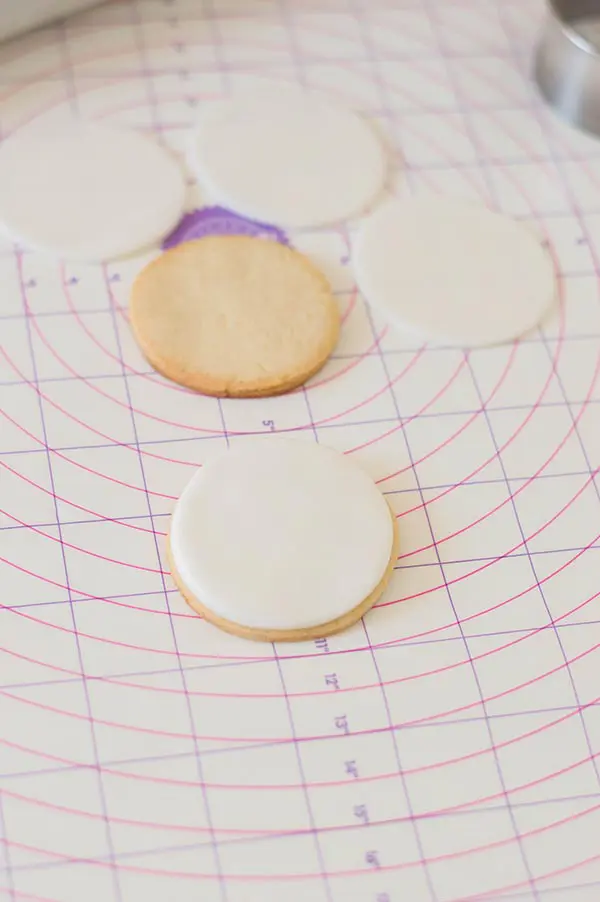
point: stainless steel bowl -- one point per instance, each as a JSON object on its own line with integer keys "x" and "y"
{"x": 567, "y": 66}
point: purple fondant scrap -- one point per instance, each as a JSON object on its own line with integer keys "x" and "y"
{"x": 220, "y": 221}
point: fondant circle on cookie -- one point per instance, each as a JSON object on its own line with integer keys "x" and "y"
{"x": 234, "y": 316}
{"x": 453, "y": 271}
{"x": 88, "y": 191}
{"x": 288, "y": 156}
{"x": 280, "y": 536}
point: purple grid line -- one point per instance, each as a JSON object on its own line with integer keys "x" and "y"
{"x": 315, "y": 829}
{"x": 552, "y": 893}
{"x": 483, "y": 166}
{"x": 391, "y": 352}
{"x": 153, "y": 104}
{"x": 217, "y": 44}
{"x": 272, "y": 839}
{"x": 470, "y": 131}
{"x": 362, "y": 17}
{"x": 565, "y": 402}
{"x": 592, "y": 473}
{"x": 83, "y": 680}
{"x": 197, "y": 846}
{"x": 298, "y": 62}
{"x": 514, "y": 480}
{"x": 5, "y": 856}
{"x": 486, "y": 718}
{"x": 249, "y": 663}
{"x": 308, "y": 61}
{"x": 552, "y": 625}
{"x": 72, "y": 97}
{"x": 383, "y": 421}
{"x": 441, "y": 628}
{"x": 259, "y": 839}
{"x": 415, "y": 639}
{"x": 363, "y": 355}
{"x": 115, "y": 678}
{"x": 424, "y": 727}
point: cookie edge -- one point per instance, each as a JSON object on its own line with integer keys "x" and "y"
{"x": 304, "y": 634}
{"x": 206, "y": 384}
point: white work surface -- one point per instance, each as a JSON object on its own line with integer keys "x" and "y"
{"x": 446, "y": 748}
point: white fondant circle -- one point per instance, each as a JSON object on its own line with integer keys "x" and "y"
{"x": 453, "y": 271}
{"x": 288, "y": 156}
{"x": 87, "y": 191}
{"x": 281, "y": 534}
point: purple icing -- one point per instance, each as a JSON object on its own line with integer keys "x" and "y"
{"x": 220, "y": 221}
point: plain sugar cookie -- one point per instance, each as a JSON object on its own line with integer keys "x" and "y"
{"x": 86, "y": 191}
{"x": 453, "y": 271}
{"x": 282, "y": 540}
{"x": 288, "y": 156}
{"x": 234, "y": 316}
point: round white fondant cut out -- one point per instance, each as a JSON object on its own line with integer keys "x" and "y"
{"x": 87, "y": 191}
{"x": 288, "y": 156}
{"x": 453, "y": 271}
{"x": 281, "y": 534}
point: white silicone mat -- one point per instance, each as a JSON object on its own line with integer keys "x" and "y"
{"x": 445, "y": 749}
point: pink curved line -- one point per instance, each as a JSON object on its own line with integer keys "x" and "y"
{"x": 342, "y": 690}
{"x": 276, "y": 833}
{"x": 80, "y": 507}
{"x": 102, "y": 557}
{"x": 286, "y": 740}
{"x": 271, "y": 878}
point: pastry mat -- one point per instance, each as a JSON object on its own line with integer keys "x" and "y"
{"x": 445, "y": 749}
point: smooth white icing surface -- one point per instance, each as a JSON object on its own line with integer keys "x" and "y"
{"x": 453, "y": 271}
{"x": 86, "y": 191}
{"x": 288, "y": 156}
{"x": 281, "y": 534}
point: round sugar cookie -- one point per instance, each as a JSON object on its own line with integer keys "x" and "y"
{"x": 234, "y": 316}
{"x": 453, "y": 271}
{"x": 282, "y": 540}
{"x": 87, "y": 191}
{"x": 288, "y": 156}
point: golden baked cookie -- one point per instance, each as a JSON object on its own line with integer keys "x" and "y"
{"x": 234, "y": 316}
